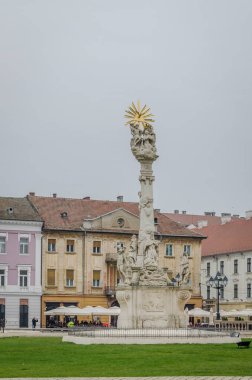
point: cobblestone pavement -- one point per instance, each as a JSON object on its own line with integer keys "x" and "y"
{"x": 142, "y": 378}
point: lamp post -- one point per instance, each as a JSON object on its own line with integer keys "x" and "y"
{"x": 217, "y": 282}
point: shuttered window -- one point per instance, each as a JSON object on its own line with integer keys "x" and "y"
{"x": 70, "y": 246}
{"x": 69, "y": 277}
{"x": 96, "y": 278}
{"x": 50, "y": 277}
{"x": 97, "y": 247}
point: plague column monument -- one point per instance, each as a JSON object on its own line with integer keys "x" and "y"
{"x": 147, "y": 296}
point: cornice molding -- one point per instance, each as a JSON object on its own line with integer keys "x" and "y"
{"x": 21, "y": 223}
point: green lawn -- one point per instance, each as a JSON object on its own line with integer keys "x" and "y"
{"x": 49, "y": 357}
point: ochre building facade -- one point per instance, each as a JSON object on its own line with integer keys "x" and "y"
{"x": 79, "y": 244}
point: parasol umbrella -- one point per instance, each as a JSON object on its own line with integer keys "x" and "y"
{"x": 197, "y": 312}
{"x": 58, "y": 311}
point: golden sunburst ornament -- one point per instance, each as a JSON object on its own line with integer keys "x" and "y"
{"x": 139, "y": 117}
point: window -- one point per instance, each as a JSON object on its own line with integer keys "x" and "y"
{"x": 23, "y": 313}
{"x": 96, "y": 277}
{"x": 222, "y": 267}
{"x": 97, "y": 247}
{"x": 235, "y": 290}
{"x": 70, "y": 246}
{"x": 23, "y": 245}
{"x": 2, "y": 244}
{"x": 221, "y": 291}
{"x": 23, "y": 278}
{"x": 208, "y": 292}
{"x": 2, "y": 277}
{"x": 51, "y": 245}
{"x": 249, "y": 264}
{"x": 51, "y": 277}
{"x": 235, "y": 266}
{"x": 208, "y": 269}
{"x": 169, "y": 250}
{"x": 69, "y": 277}
{"x": 120, "y": 222}
{"x": 248, "y": 290}
{"x": 187, "y": 249}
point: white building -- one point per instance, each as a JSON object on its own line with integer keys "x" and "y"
{"x": 20, "y": 263}
{"x": 228, "y": 249}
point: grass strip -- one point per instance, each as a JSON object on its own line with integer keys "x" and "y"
{"x": 50, "y": 357}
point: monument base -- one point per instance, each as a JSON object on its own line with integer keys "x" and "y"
{"x": 152, "y": 306}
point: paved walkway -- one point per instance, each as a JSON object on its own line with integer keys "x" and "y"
{"x": 20, "y": 332}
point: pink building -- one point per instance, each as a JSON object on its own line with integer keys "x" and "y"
{"x": 20, "y": 262}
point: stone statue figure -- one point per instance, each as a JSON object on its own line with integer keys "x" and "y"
{"x": 123, "y": 265}
{"x": 185, "y": 271}
{"x": 143, "y": 142}
{"x": 146, "y": 205}
{"x": 146, "y": 209}
{"x": 148, "y": 248}
{"x": 121, "y": 262}
{"x": 133, "y": 250}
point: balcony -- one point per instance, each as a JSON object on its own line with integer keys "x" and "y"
{"x": 209, "y": 303}
{"x": 109, "y": 291}
{"x": 111, "y": 257}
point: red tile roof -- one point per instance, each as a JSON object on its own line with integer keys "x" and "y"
{"x": 50, "y": 210}
{"x": 187, "y": 219}
{"x": 20, "y": 209}
{"x": 234, "y": 236}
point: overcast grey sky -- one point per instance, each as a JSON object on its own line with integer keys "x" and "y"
{"x": 69, "y": 69}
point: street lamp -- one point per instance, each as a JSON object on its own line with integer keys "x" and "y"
{"x": 218, "y": 282}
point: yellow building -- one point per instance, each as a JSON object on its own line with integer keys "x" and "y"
{"x": 79, "y": 243}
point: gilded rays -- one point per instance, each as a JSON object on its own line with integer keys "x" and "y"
{"x": 138, "y": 116}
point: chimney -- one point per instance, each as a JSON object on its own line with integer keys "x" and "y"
{"x": 86, "y": 198}
{"x": 176, "y": 211}
{"x": 184, "y": 212}
{"x": 236, "y": 216}
{"x": 32, "y": 194}
{"x": 202, "y": 223}
{"x": 225, "y": 217}
{"x": 248, "y": 214}
{"x": 54, "y": 195}
{"x": 157, "y": 210}
{"x": 209, "y": 213}
{"x": 120, "y": 198}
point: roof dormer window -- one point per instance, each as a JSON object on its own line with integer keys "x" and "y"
{"x": 10, "y": 210}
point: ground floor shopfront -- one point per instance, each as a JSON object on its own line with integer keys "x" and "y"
{"x": 50, "y": 302}
{"x": 18, "y": 310}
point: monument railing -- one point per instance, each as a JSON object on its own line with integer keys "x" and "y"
{"x": 94, "y": 332}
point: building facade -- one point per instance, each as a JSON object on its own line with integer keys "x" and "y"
{"x": 79, "y": 245}
{"x": 228, "y": 249}
{"x": 20, "y": 263}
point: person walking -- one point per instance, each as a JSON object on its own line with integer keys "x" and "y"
{"x": 34, "y": 322}
{"x": 2, "y": 324}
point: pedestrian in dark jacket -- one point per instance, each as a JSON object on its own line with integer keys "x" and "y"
{"x": 34, "y": 322}
{"x": 2, "y": 324}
